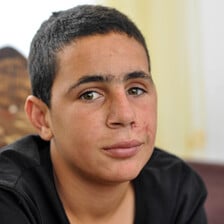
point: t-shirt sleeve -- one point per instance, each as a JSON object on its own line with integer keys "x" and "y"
{"x": 12, "y": 209}
{"x": 192, "y": 196}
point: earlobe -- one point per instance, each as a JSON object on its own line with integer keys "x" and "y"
{"x": 38, "y": 114}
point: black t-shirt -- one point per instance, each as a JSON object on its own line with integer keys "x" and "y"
{"x": 167, "y": 191}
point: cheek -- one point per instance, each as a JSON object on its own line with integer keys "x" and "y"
{"x": 149, "y": 122}
{"x": 85, "y": 128}
{"x": 150, "y": 130}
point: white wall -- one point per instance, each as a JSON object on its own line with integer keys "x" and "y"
{"x": 212, "y": 28}
{"x": 19, "y": 20}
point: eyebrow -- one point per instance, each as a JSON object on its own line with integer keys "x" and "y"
{"x": 136, "y": 75}
{"x": 108, "y": 78}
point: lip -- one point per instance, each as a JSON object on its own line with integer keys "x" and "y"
{"x": 123, "y": 149}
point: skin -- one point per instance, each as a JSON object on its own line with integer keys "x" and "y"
{"x": 101, "y": 125}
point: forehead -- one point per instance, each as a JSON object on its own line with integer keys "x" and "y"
{"x": 110, "y": 54}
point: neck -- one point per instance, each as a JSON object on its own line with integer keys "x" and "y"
{"x": 87, "y": 201}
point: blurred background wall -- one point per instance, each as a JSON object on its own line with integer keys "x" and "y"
{"x": 185, "y": 41}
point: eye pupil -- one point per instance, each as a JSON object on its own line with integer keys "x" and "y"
{"x": 133, "y": 91}
{"x": 88, "y": 95}
{"x": 136, "y": 91}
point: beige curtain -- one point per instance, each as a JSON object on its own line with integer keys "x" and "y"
{"x": 172, "y": 31}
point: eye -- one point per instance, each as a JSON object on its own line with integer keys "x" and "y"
{"x": 90, "y": 95}
{"x": 136, "y": 91}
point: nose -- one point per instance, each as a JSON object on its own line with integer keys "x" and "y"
{"x": 121, "y": 112}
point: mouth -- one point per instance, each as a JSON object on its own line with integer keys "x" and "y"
{"x": 125, "y": 149}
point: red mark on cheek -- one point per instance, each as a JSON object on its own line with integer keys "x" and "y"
{"x": 149, "y": 132}
{"x": 146, "y": 128}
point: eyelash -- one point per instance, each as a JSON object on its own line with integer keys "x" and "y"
{"x": 138, "y": 89}
{"x": 95, "y": 95}
{"x": 82, "y": 96}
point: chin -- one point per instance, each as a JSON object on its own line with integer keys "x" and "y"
{"x": 126, "y": 173}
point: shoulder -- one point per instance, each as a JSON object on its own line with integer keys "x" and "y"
{"x": 18, "y": 157}
{"x": 170, "y": 167}
{"x": 171, "y": 173}
{"x": 26, "y": 184}
{"x": 168, "y": 183}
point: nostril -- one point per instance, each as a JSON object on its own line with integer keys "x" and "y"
{"x": 133, "y": 124}
{"x": 116, "y": 124}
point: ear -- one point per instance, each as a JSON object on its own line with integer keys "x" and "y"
{"x": 38, "y": 114}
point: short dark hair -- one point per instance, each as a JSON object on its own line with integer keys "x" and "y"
{"x": 61, "y": 29}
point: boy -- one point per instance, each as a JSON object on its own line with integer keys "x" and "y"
{"x": 94, "y": 107}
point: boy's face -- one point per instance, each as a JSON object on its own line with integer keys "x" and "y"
{"x": 103, "y": 109}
